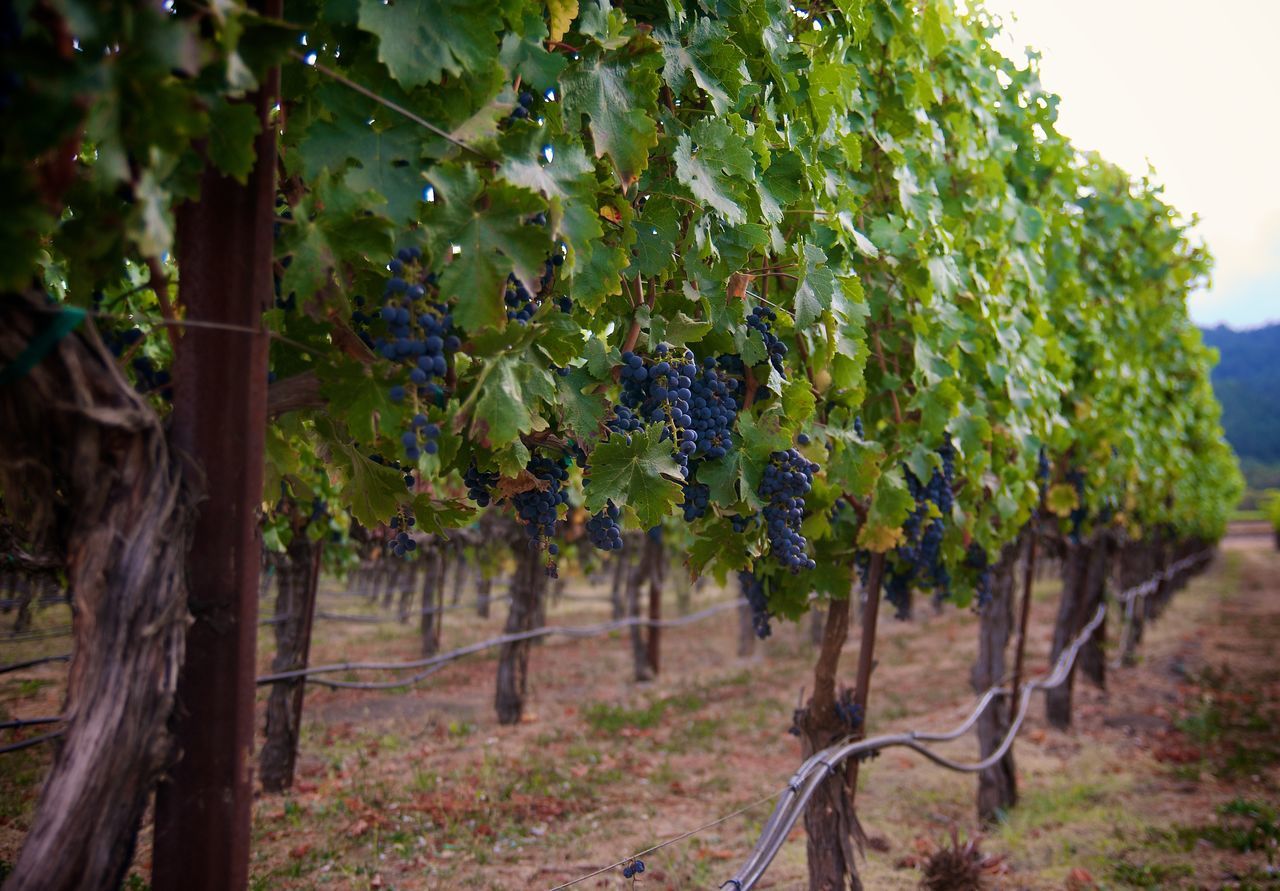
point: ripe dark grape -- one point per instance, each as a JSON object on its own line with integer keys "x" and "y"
{"x": 848, "y": 711}
{"x": 787, "y": 479}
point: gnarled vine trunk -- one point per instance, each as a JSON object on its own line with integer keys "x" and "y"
{"x": 527, "y": 587}
{"x": 1084, "y": 582}
{"x": 434, "y": 570}
{"x": 832, "y": 832}
{"x": 641, "y": 570}
{"x": 998, "y": 784}
{"x": 297, "y": 581}
{"x": 85, "y": 460}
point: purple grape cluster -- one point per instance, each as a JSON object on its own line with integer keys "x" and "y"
{"x": 402, "y": 544}
{"x": 634, "y": 868}
{"x": 786, "y": 481}
{"x": 753, "y": 590}
{"x": 538, "y": 508}
{"x": 761, "y": 319}
{"x": 697, "y": 498}
{"x": 975, "y": 558}
{"x": 480, "y": 484}
{"x": 918, "y": 560}
{"x": 603, "y": 530}
{"x": 421, "y": 436}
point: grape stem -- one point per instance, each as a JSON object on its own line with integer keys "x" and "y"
{"x": 159, "y": 283}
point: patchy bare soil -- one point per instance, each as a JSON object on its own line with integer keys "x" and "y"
{"x": 1168, "y": 779}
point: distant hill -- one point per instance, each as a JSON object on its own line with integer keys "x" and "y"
{"x": 1247, "y": 381}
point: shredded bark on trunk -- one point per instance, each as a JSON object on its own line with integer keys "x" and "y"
{"x": 85, "y": 459}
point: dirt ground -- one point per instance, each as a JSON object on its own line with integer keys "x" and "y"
{"x": 1168, "y": 779}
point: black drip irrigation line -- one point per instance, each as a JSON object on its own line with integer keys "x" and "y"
{"x": 31, "y": 663}
{"x": 433, "y": 664}
{"x": 30, "y": 722}
{"x": 28, "y": 743}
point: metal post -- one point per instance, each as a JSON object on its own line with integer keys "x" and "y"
{"x": 225, "y": 247}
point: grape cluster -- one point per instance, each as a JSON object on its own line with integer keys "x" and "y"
{"x": 480, "y": 484}
{"x": 402, "y": 544}
{"x": 537, "y": 508}
{"x": 421, "y": 436}
{"x": 857, "y": 427}
{"x": 1042, "y": 469}
{"x": 148, "y": 377}
{"x": 660, "y": 392}
{"x": 918, "y": 562}
{"x": 753, "y": 590}
{"x": 633, "y": 869}
{"x": 624, "y": 421}
{"x": 524, "y": 107}
{"x": 976, "y": 559}
{"x": 787, "y": 479}
{"x": 762, "y": 319}
{"x": 603, "y": 530}
{"x": 419, "y": 334}
{"x": 714, "y": 410}
{"x": 697, "y": 498}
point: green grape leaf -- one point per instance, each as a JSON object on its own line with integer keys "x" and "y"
{"x": 1062, "y": 499}
{"x": 709, "y": 59}
{"x": 372, "y": 491}
{"x": 677, "y": 329}
{"x": 657, "y": 228}
{"x": 816, "y": 289}
{"x": 581, "y": 407}
{"x": 717, "y": 543}
{"x": 890, "y": 506}
{"x": 438, "y": 516}
{"x": 713, "y": 163}
{"x": 233, "y": 126}
{"x": 641, "y": 474}
{"x": 525, "y": 54}
{"x": 619, "y": 97}
{"x": 798, "y": 401}
{"x": 482, "y": 228}
{"x": 503, "y": 411}
{"x": 420, "y": 41}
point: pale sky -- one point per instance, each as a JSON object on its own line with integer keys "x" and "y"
{"x": 1194, "y": 89}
